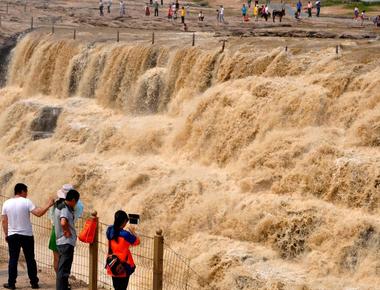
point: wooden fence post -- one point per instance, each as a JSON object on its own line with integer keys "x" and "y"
{"x": 31, "y": 23}
{"x": 93, "y": 262}
{"x": 158, "y": 262}
{"x": 152, "y": 37}
{"x": 117, "y": 36}
{"x": 193, "y": 39}
{"x": 223, "y": 45}
{"x": 75, "y": 34}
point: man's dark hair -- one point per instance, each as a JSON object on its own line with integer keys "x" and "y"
{"x": 20, "y": 187}
{"x": 72, "y": 195}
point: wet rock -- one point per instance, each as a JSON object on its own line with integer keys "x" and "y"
{"x": 44, "y": 125}
{"x": 294, "y": 33}
{"x": 5, "y": 48}
{"x": 15, "y": 19}
{"x": 5, "y": 178}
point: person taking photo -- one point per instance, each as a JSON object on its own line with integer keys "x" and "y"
{"x": 119, "y": 254}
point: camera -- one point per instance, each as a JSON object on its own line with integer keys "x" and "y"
{"x": 134, "y": 218}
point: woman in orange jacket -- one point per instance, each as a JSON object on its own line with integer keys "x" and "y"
{"x": 120, "y": 241}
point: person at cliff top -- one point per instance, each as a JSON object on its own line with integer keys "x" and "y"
{"x": 78, "y": 211}
{"x": 265, "y": 12}
{"x": 309, "y": 8}
{"x": 109, "y": 6}
{"x": 147, "y": 10}
{"x": 155, "y": 6}
{"x": 363, "y": 17}
{"x": 201, "y": 16}
{"x": 174, "y": 10}
{"x": 183, "y": 14}
{"x": 170, "y": 12}
{"x": 122, "y": 8}
{"x": 256, "y": 12}
{"x": 244, "y": 11}
{"x": 376, "y": 20}
{"x": 101, "y": 7}
{"x": 221, "y": 14}
{"x": 299, "y": 9}
{"x": 318, "y": 5}
{"x": 356, "y": 13}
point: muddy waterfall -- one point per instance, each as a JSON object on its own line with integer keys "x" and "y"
{"x": 263, "y": 166}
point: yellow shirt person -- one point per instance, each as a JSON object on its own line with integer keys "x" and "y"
{"x": 255, "y": 11}
{"x": 183, "y": 13}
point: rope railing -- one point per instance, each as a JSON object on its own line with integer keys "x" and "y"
{"x": 177, "y": 273}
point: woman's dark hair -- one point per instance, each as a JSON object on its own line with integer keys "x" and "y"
{"x": 120, "y": 218}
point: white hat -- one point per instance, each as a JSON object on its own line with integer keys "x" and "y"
{"x": 64, "y": 190}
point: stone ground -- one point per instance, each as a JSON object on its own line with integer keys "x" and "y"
{"x": 47, "y": 281}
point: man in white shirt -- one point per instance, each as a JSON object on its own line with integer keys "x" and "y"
{"x": 19, "y": 233}
{"x": 221, "y": 13}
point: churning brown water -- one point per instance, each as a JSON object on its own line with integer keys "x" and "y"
{"x": 263, "y": 166}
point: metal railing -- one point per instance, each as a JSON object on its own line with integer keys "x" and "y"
{"x": 174, "y": 273}
{"x": 142, "y": 255}
{"x": 177, "y": 272}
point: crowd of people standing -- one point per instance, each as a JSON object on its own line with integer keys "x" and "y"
{"x": 122, "y": 7}
{"x": 250, "y": 8}
{"x": 309, "y": 9}
{"x": 362, "y": 17}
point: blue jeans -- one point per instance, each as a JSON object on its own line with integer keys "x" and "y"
{"x": 15, "y": 243}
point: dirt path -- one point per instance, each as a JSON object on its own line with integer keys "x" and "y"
{"x": 47, "y": 281}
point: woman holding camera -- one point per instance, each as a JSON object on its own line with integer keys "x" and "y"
{"x": 120, "y": 264}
